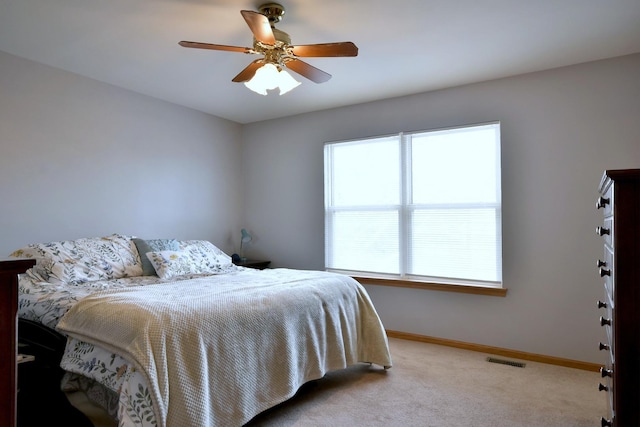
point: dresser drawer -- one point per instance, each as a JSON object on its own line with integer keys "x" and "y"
{"x": 607, "y": 386}
{"x": 607, "y": 272}
{"x": 606, "y": 321}
{"x": 606, "y": 380}
{"x": 605, "y": 201}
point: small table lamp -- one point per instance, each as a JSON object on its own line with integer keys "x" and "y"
{"x": 246, "y": 238}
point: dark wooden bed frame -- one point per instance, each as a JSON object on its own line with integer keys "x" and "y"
{"x": 41, "y": 402}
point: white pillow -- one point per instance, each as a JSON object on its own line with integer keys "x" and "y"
{"x": 206, "y": 256}
{"x": 170, "y": 264}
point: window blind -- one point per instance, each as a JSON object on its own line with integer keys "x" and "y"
{"x": 422, "y": 205}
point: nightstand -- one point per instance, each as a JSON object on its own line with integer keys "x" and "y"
{"x": 253, "y": 263}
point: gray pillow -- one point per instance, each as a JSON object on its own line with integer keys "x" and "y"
{"x": 154, "y": 245}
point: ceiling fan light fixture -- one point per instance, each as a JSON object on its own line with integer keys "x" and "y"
{"x": 264, "y": 79}
{"x": 275, "y": 45}
{"x": 286, "y": 82}
{"x": 268, "y": 77}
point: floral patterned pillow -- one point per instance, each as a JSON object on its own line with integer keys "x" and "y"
{"x": 83, "y": 260}
{"x": 206, "y": 256}
{"x": 170, "y": 264}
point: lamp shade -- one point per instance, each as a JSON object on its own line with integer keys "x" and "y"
{"x": 246, "y": 237}
{"x": 268, "y": 77}
{"x": 286, "y": 82}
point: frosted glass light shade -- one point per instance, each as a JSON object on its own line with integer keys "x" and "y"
{"x": 286, "y": 82}
{"x": 268, "y": 77}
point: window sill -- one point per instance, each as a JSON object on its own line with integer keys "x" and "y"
{"x": 465, "y": 289}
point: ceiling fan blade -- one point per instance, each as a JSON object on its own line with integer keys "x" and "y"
{"x": 312, "y": 73}
{"x": 259, "y": 25}
{"x": 326, "y": 49}
{"x": 199, "y": 45}
{"x": 248, "y": 73}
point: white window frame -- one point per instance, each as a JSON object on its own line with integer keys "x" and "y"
{"x": 405, "y": 208}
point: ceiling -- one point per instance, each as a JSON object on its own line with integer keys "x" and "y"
{"x": 405, "y": 46}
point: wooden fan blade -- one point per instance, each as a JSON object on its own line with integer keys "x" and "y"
{"x": 312, "y": 73}
{"x": 248, "y": 73}
{"x": 198, "y": 45}
{"x": 259, "y": 25}
{"x": 326, "y": 49}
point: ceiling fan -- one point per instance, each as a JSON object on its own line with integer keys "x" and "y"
{"x": 278, "y": 52}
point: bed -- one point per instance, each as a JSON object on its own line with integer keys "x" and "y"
{"x": 172, "y": 333}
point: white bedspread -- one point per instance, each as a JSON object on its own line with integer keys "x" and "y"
{"x": 218, "y": 350}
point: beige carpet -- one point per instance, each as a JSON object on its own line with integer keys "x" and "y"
{"x": 431, "y": 385}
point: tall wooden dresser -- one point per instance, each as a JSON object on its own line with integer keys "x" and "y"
{"x": 620, "y": 269}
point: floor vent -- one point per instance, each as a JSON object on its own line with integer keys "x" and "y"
{"x": 506, "y": 362}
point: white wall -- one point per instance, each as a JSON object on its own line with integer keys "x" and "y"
{"x": 80, "y": 158}
{"x": 560, "y": 130}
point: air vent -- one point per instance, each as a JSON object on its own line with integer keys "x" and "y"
{"x": 506, "y": 362}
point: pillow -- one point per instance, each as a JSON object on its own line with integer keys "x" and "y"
{"x": 155, "y": 245}
{"x": 206, "y": 256}
{"x": 193, "y": 257}
{"x": 83, "y": 260}
{"x": 168, "y": 264}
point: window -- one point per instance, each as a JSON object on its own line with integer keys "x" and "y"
{"x": 420, "y": 206}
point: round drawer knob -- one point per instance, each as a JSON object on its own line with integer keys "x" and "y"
{"x": 601, "y": 263}
{"x": 604, "y": 372}
{"x": 602, "y": 202}
{"x": 605, "y": 422}
{"x": 601, "y": 231}
{"x": 604, "y": 272}
{"x": 604, "y": 346}
{"x": 603, "y": 387}
{"x": 602, "y": 304}
{"x": 604, "y": 321}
